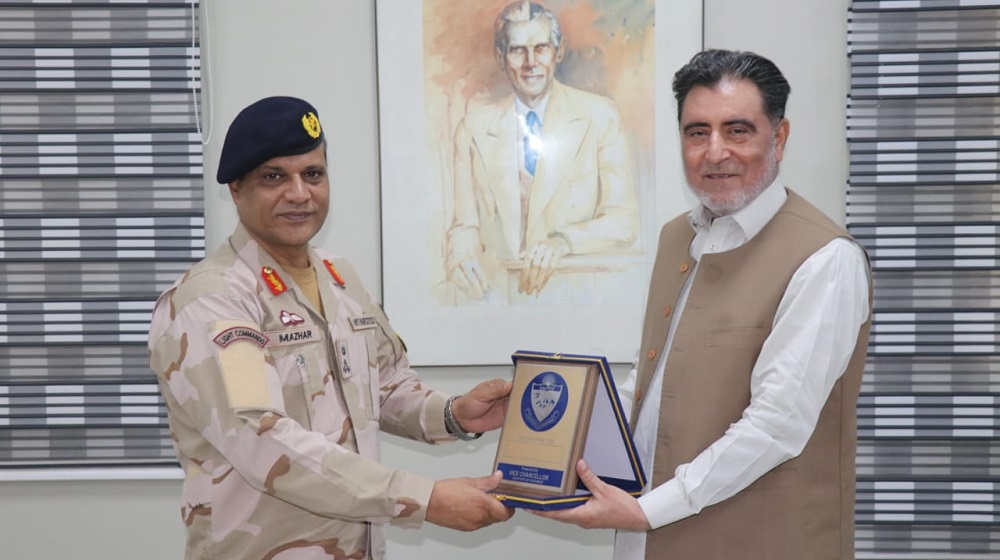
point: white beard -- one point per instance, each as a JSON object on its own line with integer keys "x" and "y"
{"x": 743, "y": 198}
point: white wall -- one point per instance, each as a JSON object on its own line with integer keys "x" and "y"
{"x": 807, "y": 40}
{"x": 324, "y": 51}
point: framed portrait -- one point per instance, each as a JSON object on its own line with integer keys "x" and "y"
{"x": 529, "y": 156}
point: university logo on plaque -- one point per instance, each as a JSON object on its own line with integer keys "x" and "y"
{"x": 545, "y": 401}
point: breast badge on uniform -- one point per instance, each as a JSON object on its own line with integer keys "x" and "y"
{"x": 289, "y": 318}
{"x": 343, "y": 358}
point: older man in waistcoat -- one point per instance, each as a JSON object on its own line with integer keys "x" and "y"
{"x": 743, "y": 399}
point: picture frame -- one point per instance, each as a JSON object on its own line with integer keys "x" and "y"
{"x": 436, "y": 62}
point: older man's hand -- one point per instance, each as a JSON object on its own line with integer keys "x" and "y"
{"x": 610, "y": 507}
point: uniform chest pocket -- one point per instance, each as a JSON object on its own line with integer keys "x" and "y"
{"x": 354, "y": 357}
{"x": 301, "y": 371}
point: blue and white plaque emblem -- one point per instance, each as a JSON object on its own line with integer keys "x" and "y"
{"x": 544, "y": 401}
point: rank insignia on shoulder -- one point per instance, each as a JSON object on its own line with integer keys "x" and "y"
{"x": 333, "y": 272}
{"x": 274, "y": 282}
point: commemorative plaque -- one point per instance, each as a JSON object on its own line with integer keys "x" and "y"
{"x": 563, "y": 407}
{"x": 546, "y": 427}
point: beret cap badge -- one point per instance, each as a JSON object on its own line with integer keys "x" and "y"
{"x": 311, "y": 124}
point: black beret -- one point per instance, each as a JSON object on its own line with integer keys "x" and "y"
{"x": 272, "y": 127}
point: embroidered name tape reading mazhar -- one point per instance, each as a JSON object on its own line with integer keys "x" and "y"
{"x": 232, "y": 334}
{"x": 290, "y": 336}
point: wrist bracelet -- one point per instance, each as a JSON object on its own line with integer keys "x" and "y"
{"x": 452, "y": 426}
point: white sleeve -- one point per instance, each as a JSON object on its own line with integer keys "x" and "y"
{"x": 626, "y": 391}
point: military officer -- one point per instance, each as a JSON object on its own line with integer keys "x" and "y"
{"x": 279, "y": 369}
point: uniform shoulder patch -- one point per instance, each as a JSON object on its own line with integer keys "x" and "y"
{"x": 232, "y": 334}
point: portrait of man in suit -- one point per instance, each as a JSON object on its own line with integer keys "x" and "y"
{"x": 544, "y": 195}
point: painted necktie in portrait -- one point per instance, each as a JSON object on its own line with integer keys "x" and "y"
{"x": 532, "y": 142}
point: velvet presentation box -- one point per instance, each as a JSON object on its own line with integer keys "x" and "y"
{"x": 563, "y": 407}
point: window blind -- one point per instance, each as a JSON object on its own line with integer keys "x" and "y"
{"x": 100, "y": 210}
{"x": 924, "y": 198}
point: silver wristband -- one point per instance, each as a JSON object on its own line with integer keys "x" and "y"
{"x": 452, "y": 426}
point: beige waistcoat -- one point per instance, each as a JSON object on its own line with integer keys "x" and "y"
{"x": 802, "y": 509}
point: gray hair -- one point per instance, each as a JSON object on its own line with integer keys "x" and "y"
{"x": 520, "y": 12}
{"x": 710, "y": 67}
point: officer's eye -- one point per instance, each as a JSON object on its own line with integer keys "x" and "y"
{"x": 314, "y": 175}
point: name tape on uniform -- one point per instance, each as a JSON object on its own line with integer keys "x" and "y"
{"x": 363, "y": 322}
{"x": 290, "y": 336}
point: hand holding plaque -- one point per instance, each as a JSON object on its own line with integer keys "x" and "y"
{"x": 560, "y": 406}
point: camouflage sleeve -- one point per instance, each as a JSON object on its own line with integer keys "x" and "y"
{"x": 225, "y": 396}
{"x": 406, "y": 407}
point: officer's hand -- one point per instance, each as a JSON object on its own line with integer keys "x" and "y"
{"x": 484, "y": 407}
{"x": 469, "y": 276}
{"x": 538, "y": 263}
{"x": 610, "y": 507}
{"x": 464, "y": 503}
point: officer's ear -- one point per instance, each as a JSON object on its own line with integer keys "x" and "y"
{"x": 234, "y": 189}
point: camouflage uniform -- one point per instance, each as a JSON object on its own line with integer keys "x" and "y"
{"x": 275, "y": 411}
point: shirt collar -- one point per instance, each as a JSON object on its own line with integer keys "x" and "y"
{"x": 753, "y": 217}
{"x": 522, "y": 109}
